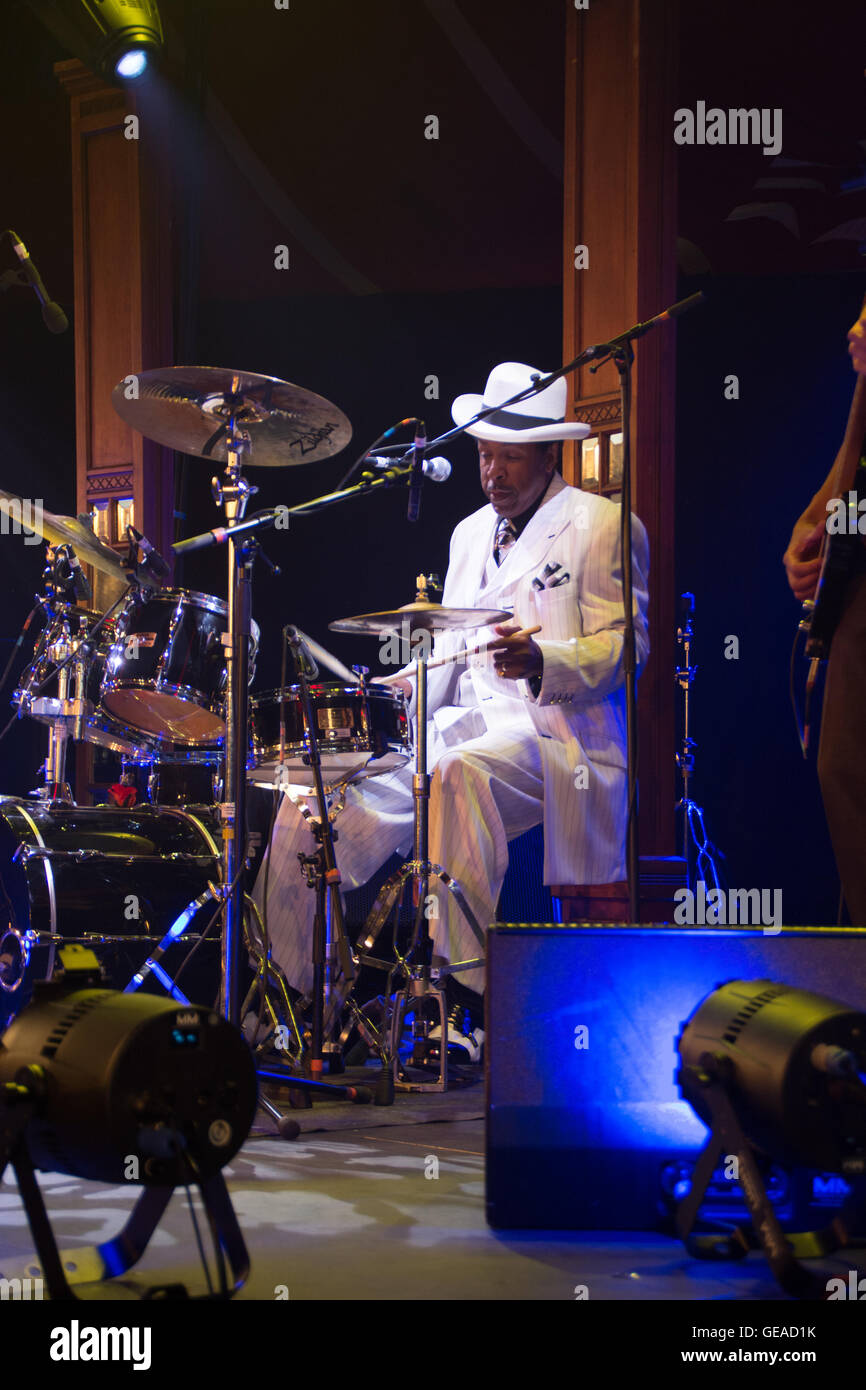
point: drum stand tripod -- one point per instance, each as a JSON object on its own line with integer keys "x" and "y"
{"x": 416, "y": 965}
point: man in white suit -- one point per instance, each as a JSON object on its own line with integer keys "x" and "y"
{"x": 532, "y": 731}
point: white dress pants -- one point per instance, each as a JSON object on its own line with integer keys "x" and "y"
{"x": 483, "y": 793}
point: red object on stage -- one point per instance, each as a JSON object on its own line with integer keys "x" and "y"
{"x": 122, "y": 795}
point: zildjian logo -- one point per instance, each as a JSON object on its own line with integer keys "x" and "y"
{"x": 312, "y": 438}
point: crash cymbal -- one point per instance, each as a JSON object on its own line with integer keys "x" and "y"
{"x": 189, "y": 408}
{"x": 421, "y": 616}
{"x": 66, "y": 530}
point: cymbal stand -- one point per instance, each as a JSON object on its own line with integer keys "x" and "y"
{"x": 55, "y": 788}
{"x": 65, "y": 650}
{"x": 232, "y": 494}
{"x": 416, "y": 965}
{"x": 320, "y": 868}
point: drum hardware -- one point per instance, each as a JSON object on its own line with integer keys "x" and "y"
{"x": 273, "y": 988}
{"x": 320, "y": 871}
{"x": 70, "y": 712}
{"x": 151, "y": 966}
{"x": 220, "y": 414}
{"x": 131, "y": 872}
{"x": 701, "y": 857}
{"x": 67, "y": 531}
{"x": 23, "y": 943}
{"x": 415, "y": 967}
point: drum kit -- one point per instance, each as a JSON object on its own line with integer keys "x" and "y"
{"x": 162, "y": 680}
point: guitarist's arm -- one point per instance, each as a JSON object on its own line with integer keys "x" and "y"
{"x": 802, "y": 559}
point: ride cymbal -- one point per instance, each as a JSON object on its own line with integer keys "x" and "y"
{"x": 190, "y": 409}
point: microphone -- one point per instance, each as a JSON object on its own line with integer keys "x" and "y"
{"x": 437, "y": 469}
{"x": 152, "y": 558}
{"x": 53, "y": 316}
{"x": 301, "y": 654}
{"x": 416, "y": 477}
{"x": 75, "y": 575}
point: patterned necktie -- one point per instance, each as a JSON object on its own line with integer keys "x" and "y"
{"x": 504, "y": 539}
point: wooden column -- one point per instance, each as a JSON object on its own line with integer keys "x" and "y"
{"x": 123, "y": 301}
{"x": 121, "y": 196}
{"x": 620, "y": 204}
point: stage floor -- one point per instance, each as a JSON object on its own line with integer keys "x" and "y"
{"x": 393, "y": 1212}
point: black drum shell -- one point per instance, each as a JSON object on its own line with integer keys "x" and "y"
{"x": 193, "y": 778}
{"x": 110, "y": 872}
{"x": 166, "y": 671}
{"x": 359, "y": 730}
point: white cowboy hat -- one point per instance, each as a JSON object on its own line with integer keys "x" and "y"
{"x": 536, "y": 420}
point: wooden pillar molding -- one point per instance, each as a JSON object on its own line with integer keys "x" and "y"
{"x": 123, "y": 305}
{"x": 620, "y": 205}
{"x": 121, "y": 209}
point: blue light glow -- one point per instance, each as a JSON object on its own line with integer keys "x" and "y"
{"x": 132, "y": 64}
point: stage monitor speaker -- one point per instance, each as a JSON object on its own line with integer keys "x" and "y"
{"x": 585, "y": 1126}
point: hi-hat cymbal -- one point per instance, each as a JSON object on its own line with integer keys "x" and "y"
{"x": 189, "y": 409}
{"x": 65, "y": 530}
{"x": 421, "y": 617}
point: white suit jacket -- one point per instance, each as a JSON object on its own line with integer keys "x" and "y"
{"x": 579, "y": 714}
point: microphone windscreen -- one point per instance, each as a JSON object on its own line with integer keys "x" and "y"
{"x": 54, "y": 317}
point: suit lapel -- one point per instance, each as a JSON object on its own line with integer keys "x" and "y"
{"x": 548, "y": 522}
{"x": 479, "y": 545}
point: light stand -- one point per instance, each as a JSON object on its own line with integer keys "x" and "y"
{"x": 776, "y": 1071}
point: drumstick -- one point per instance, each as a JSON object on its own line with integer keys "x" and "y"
{"x": 466, "y": 652}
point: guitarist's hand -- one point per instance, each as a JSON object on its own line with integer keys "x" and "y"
{"x": 801, "y": 559}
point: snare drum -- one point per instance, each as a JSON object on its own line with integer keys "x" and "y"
{"x": 166, "y": 672}
{"x": 362, "y": 733}
{"x": 110, "y": 878}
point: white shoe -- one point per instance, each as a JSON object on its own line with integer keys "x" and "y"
{"x": 464, "y": 1044}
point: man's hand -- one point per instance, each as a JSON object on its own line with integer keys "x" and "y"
{"x": 857, "y": 344}
{"x": 401, "y": 683}
{"x": 801, "y": 559}
{"x": 519, "y": 657}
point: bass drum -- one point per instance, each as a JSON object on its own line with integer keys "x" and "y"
{"x": 109, "y": 878}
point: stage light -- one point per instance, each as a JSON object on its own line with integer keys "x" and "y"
{"x": 791, "y": 1061}
{"x": 131, "y": 65}
{"x": 115, "y": 1087}
{"x": 778, "y": 1074}
{"x": 115, "y": 38}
